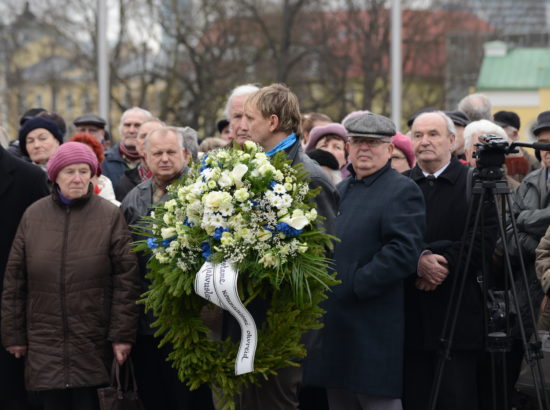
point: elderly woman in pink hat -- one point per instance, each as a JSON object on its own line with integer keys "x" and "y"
{"x": 402, "y": 158}
{"x": 70, "y": 286}
{"x": 332, "y": 138}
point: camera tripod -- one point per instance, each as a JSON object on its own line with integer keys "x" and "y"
{"x": 489, "y": 188}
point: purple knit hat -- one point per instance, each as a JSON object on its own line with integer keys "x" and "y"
{"x": 71, "y": 153}
{"x": 320, "y": 131}
{"x": 404, "y": 143}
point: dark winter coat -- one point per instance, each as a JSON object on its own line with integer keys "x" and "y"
{"x": 380, "y": 224}
{"x": 113, "y": 166}
{"x": 127, "y": 182}
{"x": 70, "y": 290}
{"x": 446, "y": 214}
{"x": 21, "y": 184}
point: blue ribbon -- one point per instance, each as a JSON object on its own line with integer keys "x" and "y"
{"x": 284, "y": 144}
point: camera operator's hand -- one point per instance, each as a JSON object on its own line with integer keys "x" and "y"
{"x": 423, "y": 284}
{"x": 432, "y": 267}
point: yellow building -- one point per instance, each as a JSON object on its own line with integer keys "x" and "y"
{"x": 516, "y": 80}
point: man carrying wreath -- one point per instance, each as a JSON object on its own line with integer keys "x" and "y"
{"x": 272, "y": 119}
{"x": 380, "y": 223}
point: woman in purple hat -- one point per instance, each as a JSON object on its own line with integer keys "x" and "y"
{"x": 332, "y": 138}
{"x": 70, "y": 286}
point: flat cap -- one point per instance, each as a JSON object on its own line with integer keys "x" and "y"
{"x": 458, "y": 118}
{"x": 370, "y": 125}
{"x": 90, "y": 119}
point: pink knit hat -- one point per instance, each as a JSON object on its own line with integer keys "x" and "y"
{"x": 404, "y": 143}
{"x": 71, "y": 153}
{"x": 320, "y": 131}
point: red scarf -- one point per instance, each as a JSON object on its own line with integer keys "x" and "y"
{"x": 144, "y": 172}
{"x": 130, "y": 154}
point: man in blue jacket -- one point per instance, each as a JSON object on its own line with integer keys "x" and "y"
{"x": 380, "y": 223}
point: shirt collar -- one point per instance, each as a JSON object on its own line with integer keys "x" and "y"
{"x": 438, "y": 172}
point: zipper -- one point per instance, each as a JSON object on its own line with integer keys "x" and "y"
{"x": 64, "y": 301}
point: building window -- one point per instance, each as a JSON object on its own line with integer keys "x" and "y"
{"x": 38, "y": 101}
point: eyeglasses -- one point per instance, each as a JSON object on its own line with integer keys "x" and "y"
{"x": 398, "y": 158}
{"x": 370, "y": 142}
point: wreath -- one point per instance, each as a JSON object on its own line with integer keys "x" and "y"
{"x": 258, "y": 214}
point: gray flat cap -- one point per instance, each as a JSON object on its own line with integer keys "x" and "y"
{"x": 90, "y": 119}
{"x": 370, "y": 125}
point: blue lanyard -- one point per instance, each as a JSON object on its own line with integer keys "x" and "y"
{"x": 284, "y": 144}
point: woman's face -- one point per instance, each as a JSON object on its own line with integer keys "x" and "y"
{"x": 399, "y": 161}
{"x": 73, "y": 180}
{"x": 41, "y": 144}
{"x": 335, "y": 146}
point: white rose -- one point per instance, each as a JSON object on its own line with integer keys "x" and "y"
{"x": 216, "y": 199}
{"x": 225, "y": 181}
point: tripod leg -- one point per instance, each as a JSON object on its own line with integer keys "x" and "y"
{"x": 453, "y": 308}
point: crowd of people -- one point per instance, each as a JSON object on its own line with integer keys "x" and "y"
{"x": 397, "y": 202}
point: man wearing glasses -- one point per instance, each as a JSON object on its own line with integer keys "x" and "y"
{"x": 380, "y": 224}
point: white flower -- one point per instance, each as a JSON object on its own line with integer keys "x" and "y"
{"x": 278, "y": 176}
{"x": 168, "y": 232}
{"x": 286, "y": 200}
{"x": 312, "y": 215}
{"x": 241, "y": 195}
{"x": 269, "y": 260}
{"x": 216, "y": 199}
{"x": 207, "y": 173}
{"x": 279, "y": 189}
{"x": 198, "y": 188}
{"x": 249, "y": 146}
{"x": 227, "y": 239}
{"x": 211, "y": 184}
{"x": 298, "y": 220}
{"x": 265, "y": 169}
{"x": 276, "y": 201}
{"x": 168, "y": 218}
{"x": 264, "y": 235}
{"x": 238, "y": 172}
{"x": 225, "y": 180}
{"x": 227, "y": 210}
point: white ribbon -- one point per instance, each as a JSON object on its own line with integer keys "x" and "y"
{"x": 218, "y": 284}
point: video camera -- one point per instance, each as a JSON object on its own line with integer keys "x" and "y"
{"x": 491, "y": 153}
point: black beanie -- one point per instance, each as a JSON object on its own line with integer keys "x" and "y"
{"x": 34, "y": 123}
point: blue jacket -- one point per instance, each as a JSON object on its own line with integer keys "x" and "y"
{"x": 114, "y": 165}
{"x": 380, "y": 223}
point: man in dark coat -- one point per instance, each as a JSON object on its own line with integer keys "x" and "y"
{"x": 380, "y": 223}
{"x": 443, "y": 181}
{"x": 124, "y": 155}
{"x": 272, "y": 119}
{"x": 21, "y": 184}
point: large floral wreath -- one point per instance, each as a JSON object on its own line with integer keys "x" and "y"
{"x": 258, "y": 214}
